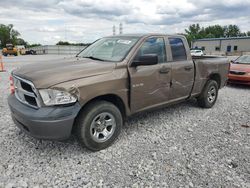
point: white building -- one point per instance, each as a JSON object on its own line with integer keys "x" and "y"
{"x": 229, "y": 46}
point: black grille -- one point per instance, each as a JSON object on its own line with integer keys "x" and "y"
{"x": 30, "y": 100}
{"x": 26, "y": 87}
{"x": 25, "y": 92}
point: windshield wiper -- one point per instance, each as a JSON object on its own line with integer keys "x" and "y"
{"x": 94, "y": 58}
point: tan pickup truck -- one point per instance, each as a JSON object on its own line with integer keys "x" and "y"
{"x": 111, "y": 79}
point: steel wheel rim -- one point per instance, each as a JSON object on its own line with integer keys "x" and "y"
{"x": 211, "y": 94}
{"x": 102, "y": 127}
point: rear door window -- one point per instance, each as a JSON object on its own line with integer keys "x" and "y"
{"x": 178, "y": 49}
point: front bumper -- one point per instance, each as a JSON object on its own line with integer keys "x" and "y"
{"x": 239, "y": 79}
{"x": 54, "y": 122}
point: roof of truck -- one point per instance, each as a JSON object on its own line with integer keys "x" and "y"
{"x": 144, "y": 35}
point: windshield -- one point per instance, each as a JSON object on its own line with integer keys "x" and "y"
{"x": 245, "y": 59}
{"x": 195, "y": 51}
{"x": 109, "y": 49}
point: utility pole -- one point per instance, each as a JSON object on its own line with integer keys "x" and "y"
{"x": 65, "y": 34}
{"x": 120, "y": 29}
{"x": 113, "y": 29}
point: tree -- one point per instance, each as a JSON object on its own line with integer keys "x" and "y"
{"x": 244, "y": 34}
{"x": 193, "y": 32}
{"x": 20, "y": 41}
{"x": 210, "y": 35}
{"x": 63, "y": 43}
{"x": 216, "y": 30}
{"x": 73, "y": 44}
{"x": 248, "y": 33}
{"x": 232, "y": 31}
{"x": 8, "y": 34}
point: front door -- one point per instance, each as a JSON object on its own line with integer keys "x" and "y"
{"x": 150, "y": 84}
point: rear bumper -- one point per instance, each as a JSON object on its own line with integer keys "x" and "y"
{"x": 239, "y": 79}
{"x": 45, "y": 123}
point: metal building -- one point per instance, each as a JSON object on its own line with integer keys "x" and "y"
{"x": 224, "y": 46}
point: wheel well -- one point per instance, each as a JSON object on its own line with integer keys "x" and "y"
{"x": 117, "y": 101}
{"x": 217, "y": 78}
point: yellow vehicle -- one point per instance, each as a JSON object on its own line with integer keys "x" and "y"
{"x": 9, "y": 50}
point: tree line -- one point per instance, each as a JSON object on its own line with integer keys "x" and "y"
{"x": 9, "y": 35}
{"x": 195, "y": 31}
{"x": 74, "y": 44}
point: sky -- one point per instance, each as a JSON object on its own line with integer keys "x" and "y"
{"x": 49, "y": 21}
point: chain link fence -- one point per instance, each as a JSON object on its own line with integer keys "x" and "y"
{"x": 58, "y": 49}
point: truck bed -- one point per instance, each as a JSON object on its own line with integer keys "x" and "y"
{"x": 217, "y": 66}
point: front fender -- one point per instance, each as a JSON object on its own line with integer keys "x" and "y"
{"x": 86, "y": 89}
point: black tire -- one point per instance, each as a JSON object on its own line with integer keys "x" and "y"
{"x": 86, "y": 124}
{"x": 206, "y": 100}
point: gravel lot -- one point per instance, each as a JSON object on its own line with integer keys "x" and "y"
{"x": 179, "y": 146}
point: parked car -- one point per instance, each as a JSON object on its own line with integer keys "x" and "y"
{"x": 197, "y": 53}
{"x": 240, "y": 70}
{"x": 111, "y": 79}
{"x": 30, "y": 52}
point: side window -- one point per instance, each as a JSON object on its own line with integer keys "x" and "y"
{"x": 217, "y": 48}
{"x": 153, "y": 46}
{"x": 178, "y": 49}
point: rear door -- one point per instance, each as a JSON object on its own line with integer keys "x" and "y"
{"x": 149, "y": 85}
{"x": 182, "y": 69}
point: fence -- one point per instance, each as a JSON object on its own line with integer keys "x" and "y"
{"x": 58, "y": 49}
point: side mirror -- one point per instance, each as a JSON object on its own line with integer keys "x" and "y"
{"x": 149, "y": 59}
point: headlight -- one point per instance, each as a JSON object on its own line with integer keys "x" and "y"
{"x": 56, "y": 97}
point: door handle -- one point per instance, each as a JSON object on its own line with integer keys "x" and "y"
{"x": 164, "y": 70}
{"x": 188, "y": 68}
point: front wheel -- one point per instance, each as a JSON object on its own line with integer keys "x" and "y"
{"x": 209, "y": 94}
{"x": 98, "y": 125}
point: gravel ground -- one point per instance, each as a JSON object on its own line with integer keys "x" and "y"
{"x": 179, "y": 146}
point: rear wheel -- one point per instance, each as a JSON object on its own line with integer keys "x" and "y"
{"x": 209, "y": 94}
{"x": 98, "y": 125}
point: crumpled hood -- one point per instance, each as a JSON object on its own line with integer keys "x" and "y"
{"x": 240, "y": 67}
{"x": 47, "y": 74}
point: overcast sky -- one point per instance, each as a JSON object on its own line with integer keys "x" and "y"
{"x": 48, "y": 21}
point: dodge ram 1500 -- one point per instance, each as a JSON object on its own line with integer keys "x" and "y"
{"x": 109, "y": 80}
